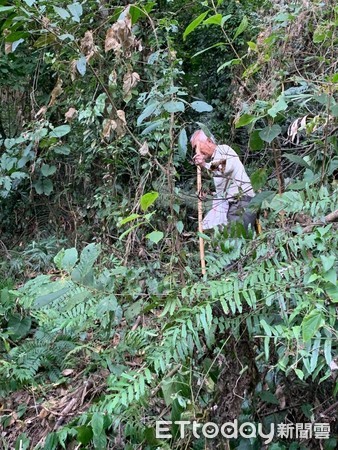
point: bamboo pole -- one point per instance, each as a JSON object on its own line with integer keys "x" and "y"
{"x": 200, "y": 218}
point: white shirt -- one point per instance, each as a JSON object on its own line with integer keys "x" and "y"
{"x": 234, "y": 182}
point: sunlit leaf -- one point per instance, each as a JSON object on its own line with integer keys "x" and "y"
{"x": 155, "y": 236}
{"x": 174, "y": 106}
{"x": 194, "y": 24}
{"x": 242, "y": 27}
{"x": 63, "y": 13}
{"x": 311, "y": 324}
{"x": 200, "y": 106}
{"x": 268, "y": 134}
{"x": 148, "y": 199}
{"x": 214, "y": 20}
{"x": 244, "y": 120}
{"x": 60, "y": 131}
{"x": 182, "y": 144}
{"x": 81, "y": 65}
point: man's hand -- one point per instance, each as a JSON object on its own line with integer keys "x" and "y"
{"x": 199, "y": 160}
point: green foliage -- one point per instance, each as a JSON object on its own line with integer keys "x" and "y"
{"x": 101, "y": 142}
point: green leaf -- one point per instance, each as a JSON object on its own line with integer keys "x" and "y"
{"x": 106, "y": 304}
{"x": 290, "y": 201}
{"x": 242, "y": 27}
{"x": 297, "y": 159}
{"x": 320, "y": 34}
{"x": 299, "y": 373}
{"x": 6, "y": 8}
{"x": 62, "y": 149}
{"x": 219, "y": 44}
{"x": 182, "y": 144}
{"x": 332, "y": 292}
{"x": 45, "y": 40}
{"x": 269, "y": 397}
{"x": 200, "y": 106}
{"x": 268, "y": 134}
{"x": 147, "y": 112}
{"x": 330, "y": 276}
{"x": 311, "y": 324}
{"x": 147, "y": 200}
{"x": 153, "y": 126}
{"x": 65, "y": 36}
{"x": 15, "y": 36}
{"x": 174, "y": 106}
{"x": 225, "y": 19}
{"x": 252, "y": 46}
{"x": 232, "y": 62}
{"x": 334, "y": 109}
{"x": 69, "y": 259}
{"x": 179, "y": 226}
{"x": 84, "y": 434}
{"x": 60, "y": 131}
{"x": 22, "y": 442}
{"x": 16, "y": 44}
{"x": 244, "y": 120}
{"x": 47, "y": 170}
{"x": 44, "y": 300}
{"x": 63, "y": 13}
{"x": 76, "y": 11}
{"x": 258, "y": 179}
{"x": 97, "y": 423}
{"x": 19, "y": 326}
{"x": 129, "y": 218}
{"x": 327, "y": 261}
{"x": 155, "y": 236}
{"x": 255, "y": 142}
{"x": 100, "y": 441}
{"x": 81, "y": 65}
{"x": 279, "y": 106}
{"x": 214, "y": 20}
{"x": 43, "y": 186}
{"x": 194, "y": 24}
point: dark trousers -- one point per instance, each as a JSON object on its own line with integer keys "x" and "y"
{"x": 239, "y": 212}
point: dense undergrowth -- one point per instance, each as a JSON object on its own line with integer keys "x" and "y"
{"x": 106, "y": 324}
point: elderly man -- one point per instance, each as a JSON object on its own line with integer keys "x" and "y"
{"x": 232, "y": 184}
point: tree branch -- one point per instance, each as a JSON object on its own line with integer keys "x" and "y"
{"x": 329, "y": 218}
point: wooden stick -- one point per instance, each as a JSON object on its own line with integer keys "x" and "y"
{"x": 200, "y": 217}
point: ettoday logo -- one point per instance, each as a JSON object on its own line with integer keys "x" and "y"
{"x": 247, "y": 430}
{"x": 210, "y": 430}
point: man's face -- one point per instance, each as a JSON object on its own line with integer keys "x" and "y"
{"x": 204, "y": 148}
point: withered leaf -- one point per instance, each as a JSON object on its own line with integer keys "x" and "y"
{"x": 130, "y": 80}
{"x": 56, "y": 92}
{"x": 70, "y": 114}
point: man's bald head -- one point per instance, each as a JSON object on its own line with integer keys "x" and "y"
{"x": 202, "y": 143}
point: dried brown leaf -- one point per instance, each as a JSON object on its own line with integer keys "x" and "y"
{"x": 73, "y": 70}
{"x": 87, "y": 45}
{"x": 144, "y": 149}
{"x": 120, "y": 37}
{"x": 108, "y": 126}
{"x": 70, "y": 114}
{"x": 121, "y": 115}
{"x": 42, "y": 111}
{"x": 113, "y": 78}
{"x": 56, "y": 92}
{"x": 130, "y": 80}
{"x": 8, "y": 47}
{"x": 67, "y": 372}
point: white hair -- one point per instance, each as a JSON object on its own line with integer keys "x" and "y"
{"x": 199, "y": 134}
